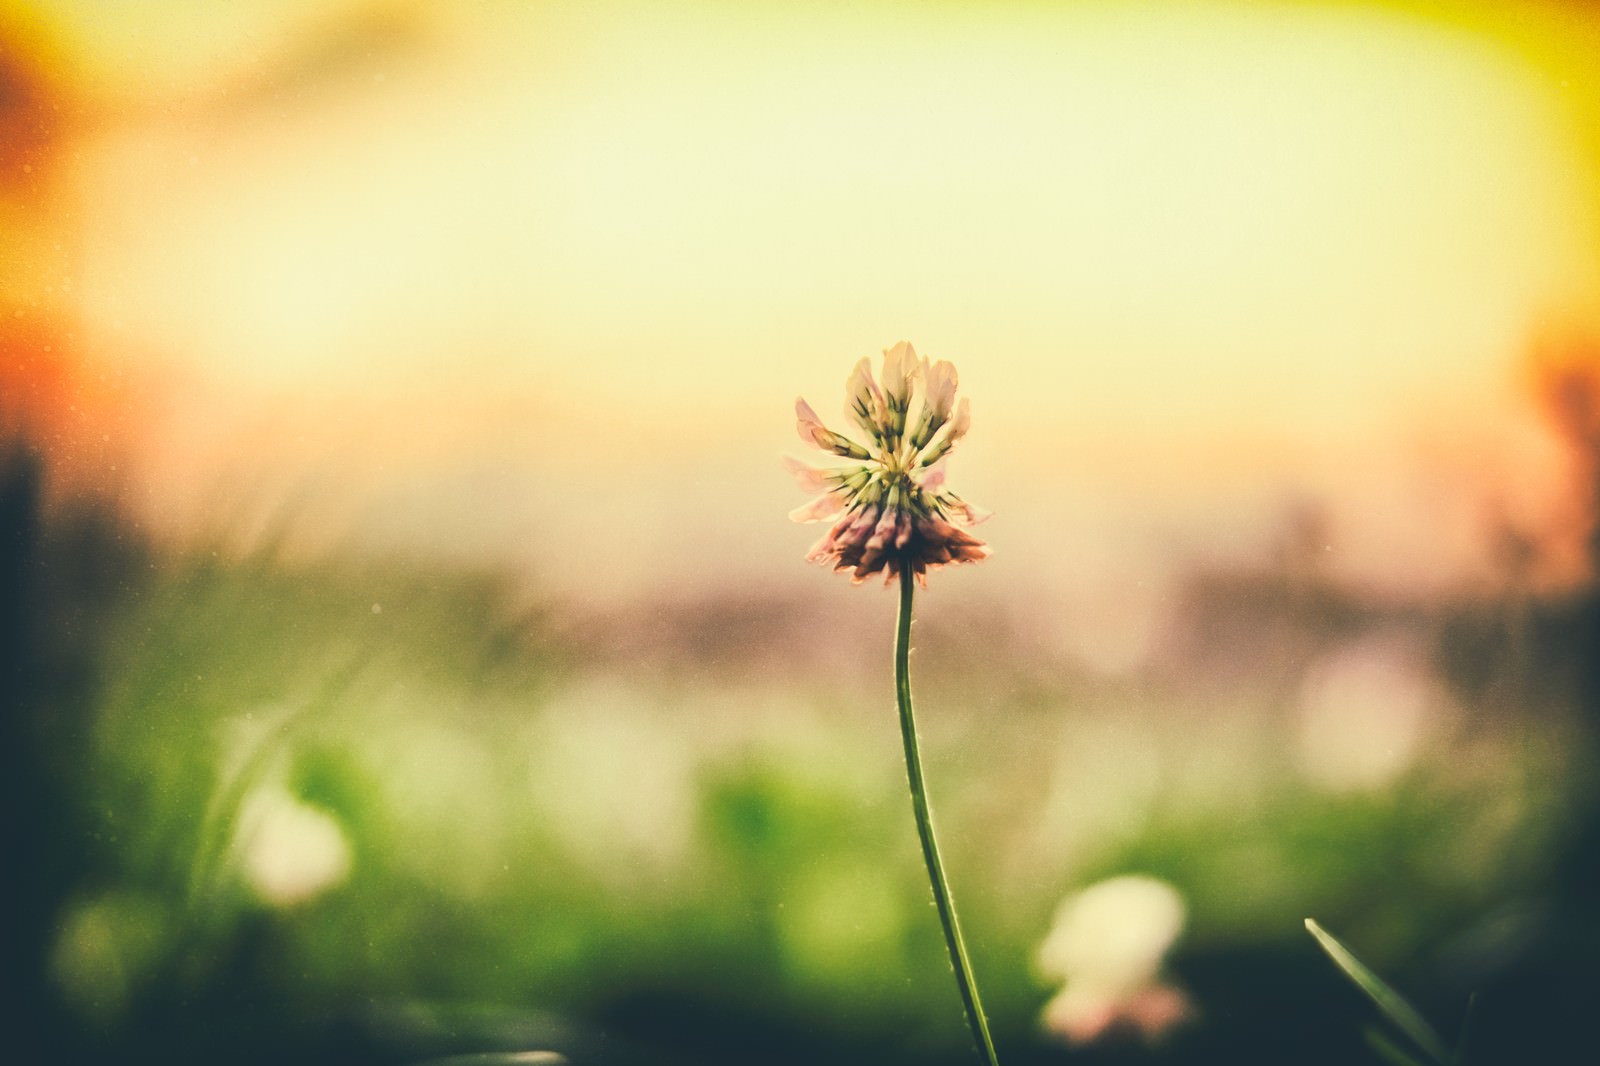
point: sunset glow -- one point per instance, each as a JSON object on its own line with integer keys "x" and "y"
{"x": 1208, "y": 245}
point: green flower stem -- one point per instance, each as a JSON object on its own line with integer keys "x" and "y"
{"x": 930, "y": 849}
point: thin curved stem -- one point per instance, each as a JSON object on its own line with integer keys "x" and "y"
{"x": 930, "y": 848}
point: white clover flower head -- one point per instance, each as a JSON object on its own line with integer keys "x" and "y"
{"x": 1107, "y": 946}
{"x": 290, "y": 850}
{"x": 889, "y": 507}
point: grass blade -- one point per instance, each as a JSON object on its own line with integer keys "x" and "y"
{"x": 1395, "y": 1008}
{"x": 1465, "y": 1039}
{"x": 1390, "y": 1052}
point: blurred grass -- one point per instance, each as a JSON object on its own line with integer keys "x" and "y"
{"x": 537, "y": 830}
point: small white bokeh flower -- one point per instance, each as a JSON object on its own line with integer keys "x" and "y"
{"x": 290, "y": 851}
{"x": 1106, "y": 945}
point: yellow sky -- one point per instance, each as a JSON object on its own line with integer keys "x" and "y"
{"x": 1154, "y": 238}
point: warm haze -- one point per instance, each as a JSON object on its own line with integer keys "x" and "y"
{"x": 384, "y": 265}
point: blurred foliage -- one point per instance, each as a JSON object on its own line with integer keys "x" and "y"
{"x": 374, "y": 811}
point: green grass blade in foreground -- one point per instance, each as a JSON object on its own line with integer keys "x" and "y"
{"x": 1464, "y": 1040}
{"x": 1390, "y": 1052}
{"x": 1395, "y": 1008}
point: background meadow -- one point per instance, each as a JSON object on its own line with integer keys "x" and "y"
{"x": 406, "y": 654}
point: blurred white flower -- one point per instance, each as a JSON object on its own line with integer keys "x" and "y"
{"x": 290, "y": 851}
{"x": 1106, "y": 945}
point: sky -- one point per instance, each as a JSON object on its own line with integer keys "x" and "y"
{"x": 538, "y": 283}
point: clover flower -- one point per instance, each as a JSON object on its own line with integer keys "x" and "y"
{"x": 889, "y": 507}
{"x": 1107, "y": 946}
{"x": 891, "y": 513}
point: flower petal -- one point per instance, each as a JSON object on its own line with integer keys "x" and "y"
{"x": 806, "y": 420}
{"x": 826, "y": 549}
{"x": 807, "y": 476}
{"x": 954, "y": 431}
{"x": 962, "y": 421}
{"x": 813, "y": 432}
{"x": 904, "y": 528}
{"x": 824, "y": 507}
{"x": 941, "y": 388}
{"x": 939, "y": 393}
{"x": 939, "y": 542}
{"x": 900, "y": 370}
{"x": 864, "y": 402}
{"x": 970, "y": 513}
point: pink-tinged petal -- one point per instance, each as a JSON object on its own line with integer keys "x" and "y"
{"x": 903, "y": 530}
{"x": 941, "y": 388}
{"x": 969, "y": 513}
{"x": 875, "y": 553}
{"x": 853, "y": 542}
{"x": 827, "y": 546}
{"x": 869, "y": 565}
{"x": 869, "y": 561}
{"x": 883, "y": 532}
{"x": 821, "y": 509}
{"x": 899, "y": 370}
{"x": 809, "y": 477}
{"x": 813, "y": 432}
{"x": 864, "y": 401}
{"x": 823, "y": 551}
{"x": 939, "y": 393}
{"x": 806, "y": 421}
{"x": 962, "y": 420}
{"x": 938, "y": 543}
{"x": 954, "y": 431}
{"x": 845, "y": 480}
{"x": 933, "y": 481}
{"x": 864, "y": 524}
